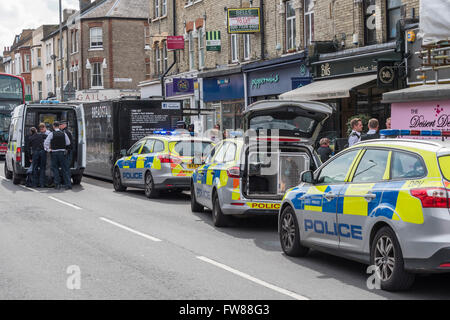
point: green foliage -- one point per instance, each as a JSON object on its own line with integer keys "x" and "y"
{"x": 365, "y": 120}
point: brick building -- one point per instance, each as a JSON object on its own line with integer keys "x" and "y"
{"x": 111, "y": 55}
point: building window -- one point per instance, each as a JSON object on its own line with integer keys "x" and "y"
{"x": 96, "y": 37}
{"x": 201, "y": 48}
{"x": 291, "y": 31}
{"x": 96, "y": 75}
{"x": 165, "y": 57}
{"x": 147, "y": 69}
{"x": 163, "y": 8}
{"x": 370, "y": 27}
{"x": 27, "y": 63}
{"x": 191, "y": 50}
{"x": 247, "y": 47}
{"x": 157, "y": 59}
{"x": 74, "y": 40}
{"x": 156, "y": 2}
{"x": 234, "y": 48}
{"x": 39, "y": 59}
{"x": 309, "y": 21}
{"x": 40, "y": 89}
{"x": 393, "y": 16}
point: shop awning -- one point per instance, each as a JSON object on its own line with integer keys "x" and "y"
{"x": 419, "y": 93}
{"x": 328, "y": 89}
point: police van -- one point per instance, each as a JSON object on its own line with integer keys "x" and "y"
{"x": 26, "y": 116}
{"x": 249, "y": 175}
{"x": 383, "y": 202}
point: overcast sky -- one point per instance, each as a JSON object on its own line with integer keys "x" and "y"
{"x": 16, "y": 15}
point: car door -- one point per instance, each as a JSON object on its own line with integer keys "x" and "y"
{"x": 129, "y": 174}
{"x": 144, "y": 161}
{"x": 320, "y": 202}
{"x": 213, "y": 171}
{"x": 361, "y": 197}
{"x": 200, "y": 177}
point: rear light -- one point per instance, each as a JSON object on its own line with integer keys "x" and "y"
{"x": 234, "y": 172}
{"x": 19, "y": 155}
{"x": 432, "y": 197}
{"x": 240, "y": 204}
{"x": 168, "y": 158}
{"x": 445, "y": 265}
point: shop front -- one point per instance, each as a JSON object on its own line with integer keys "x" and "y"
{"x": 223, "y": 92}
{"x": 350, "y": 82}
{"x": 268, "y": 79}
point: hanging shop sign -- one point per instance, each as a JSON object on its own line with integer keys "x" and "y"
{"x": 183, "y": 86}
{"x": 246, "y": 20}
{"x": 175, "y": 42}
{"x": 213, "y": 42}
{"x": 387, "y": 74}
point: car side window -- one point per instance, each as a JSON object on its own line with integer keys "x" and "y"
{"x": 230, "y": 154}
{"x": 135, "y": 148}
{"x": 372, "y": 166}
{"x": 148, "y": 146}
{"x": 158, "y": 147}
{"x": 211, "y": 154}
{"x": 406, "y": 166}
{"x": 221, "y": 153}
{"x": 336, "y": 170}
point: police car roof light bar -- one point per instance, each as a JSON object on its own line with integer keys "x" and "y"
{"x": 426, "y": 133}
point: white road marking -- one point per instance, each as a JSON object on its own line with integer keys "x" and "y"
{"x": 66, "y": 203}
{"x": 3, "y": 178}
{"x": 131, "y": 230}
{"x": 30, "y": 189}
{"x": 253, "y": 279}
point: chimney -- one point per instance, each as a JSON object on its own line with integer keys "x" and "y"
{"x": 84, "y": 4}
{"x": 67, "y": 13}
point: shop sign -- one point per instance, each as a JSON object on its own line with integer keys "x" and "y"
{"x": 386, "y": 74}
{"x": 171, "y": 105}
{"x": 256, "y": 83}
{"x": 213, "y": 42}
{"x": 183, "y": 86}
{"x": 244, "y": 20}
{"x": 300, "y": 82}
{"x": 432, "y": 115}
{"x": 175, "y": 42}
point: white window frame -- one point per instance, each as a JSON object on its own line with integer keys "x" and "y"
{"x": 27, "y": 63}
{"x": 96, "y": 39}
{"x": 201, "y": 48}
{"x": 156, "y": 8}
{"x": 234, "y": 48}
{"x": 96, "y": 74}
{"x": 191, "y": 50}
{"x": 158, "y": 60}
{"x": 39, "y": 57}
{"x": 247, "y": 47}
{"x": 290, "y": 25}
{"x": 310, "y": 27}
{"x": 165, "y": 57}
{"x": 163, "y": 8}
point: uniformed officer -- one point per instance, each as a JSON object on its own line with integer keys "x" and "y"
{"x": 39, "y": 158}
{"x": 56, "y": 143}
{"x": 69, "y": 154}
{"x": 355, "y": 135}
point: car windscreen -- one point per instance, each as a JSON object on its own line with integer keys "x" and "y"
{"x": 191, "y": 148}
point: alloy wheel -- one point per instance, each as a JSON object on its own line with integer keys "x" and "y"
{"x": 288, "y": 230}
{"x": 385, "y": 258}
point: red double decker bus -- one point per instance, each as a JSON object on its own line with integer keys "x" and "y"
{"x": 12, "y": 94}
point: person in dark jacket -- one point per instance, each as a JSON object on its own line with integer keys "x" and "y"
{"x": 56, "y": 143}
{"x": 324, "y": 150}
{"x": 63, "y": 127}
{"x": 373, "y": 131}
{"x": 39, "y": 158}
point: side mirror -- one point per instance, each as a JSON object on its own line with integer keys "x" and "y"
{"x": 307, "y": 177}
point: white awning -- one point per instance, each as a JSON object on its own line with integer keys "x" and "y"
{"x": 327, "y": 89}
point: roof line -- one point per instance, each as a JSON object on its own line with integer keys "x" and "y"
{"x": 112, "y": 8}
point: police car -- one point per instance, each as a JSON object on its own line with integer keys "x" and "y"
{"x": 163, "y": 160}
{"x": 249, "y": 175}
{"x": 382, "y": 202}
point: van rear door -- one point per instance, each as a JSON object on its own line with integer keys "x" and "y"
{"x": 81, "y": 156}
{"x": 288, "y": 121}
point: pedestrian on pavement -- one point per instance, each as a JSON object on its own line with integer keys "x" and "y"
{"x": 355, "y": 135}
{"x": 63, "y": 127}
{"x": 373, "y": 131}
{"x": 324, "y": 150}
{"x": 38, "y": 158}
{"x": 56, "y": 144}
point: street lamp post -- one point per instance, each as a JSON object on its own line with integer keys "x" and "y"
{"x": 61, "y": 52}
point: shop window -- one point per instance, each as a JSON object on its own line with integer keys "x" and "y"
{"x": 290, "y": 26}
{"x": 96, "y": 36}
{"x": 309, "y": 21}
{"x": 234, "y": 48}
{"x": 370, "y": 30}
{"x": 393, "y": 16}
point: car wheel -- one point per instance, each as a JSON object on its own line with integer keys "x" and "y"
{"x": 386, "y": 255}
{"x": 150, "y": 191}
{"x": 76, "y": 179}
{"x": 290, "y": 234}
{"x": 219, "y": 219}
{"x": 8, "y": 174}
{"x": 117, "y": 181}
{"x": 195, "y": 206}
{"x": 17, "y": 179}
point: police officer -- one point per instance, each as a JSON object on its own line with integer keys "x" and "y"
{"x": 355, "y": 135}
{"x": 373, "y": 131}
{"x": 39, "y": 158}
{"x": 56, "y": 143}
{"x": 69, "y": 154}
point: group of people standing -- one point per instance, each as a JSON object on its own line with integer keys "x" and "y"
{"x": 59, "y": 145}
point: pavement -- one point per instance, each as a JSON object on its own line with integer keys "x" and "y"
{"x": 94, "y": 243}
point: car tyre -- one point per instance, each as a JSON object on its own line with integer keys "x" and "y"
{"x": 290, "y": 234}
{"x": 8, "y": 174}
{"x": 76, "y": 179}
{"x": 195, "y": 206}
{"x": 117, "y": 181}
{"x": 17, "y": 179}
{"x": 150, "y": 191}
{"x": 386, "y": 254}
{"x": 219, "y": 219}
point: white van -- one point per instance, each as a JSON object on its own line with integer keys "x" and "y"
{"x": 26, "y": 116}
